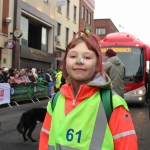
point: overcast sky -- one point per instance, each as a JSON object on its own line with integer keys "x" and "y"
{"x": 133, "y": 15}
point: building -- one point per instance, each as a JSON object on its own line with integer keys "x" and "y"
{"x": 67, "y": 17}
{"x": 102, "y": 27}
{"x": 40, "y": 31}
{"x": 34, "y": 31}
{"x": 6, "y": 26}
{"x": 86, "y": 14}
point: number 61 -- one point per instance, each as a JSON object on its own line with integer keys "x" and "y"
{"x": 70, "y": 134}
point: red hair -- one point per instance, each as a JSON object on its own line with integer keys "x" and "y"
{"x": 91, "y": 42}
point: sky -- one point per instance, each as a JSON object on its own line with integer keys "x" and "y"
{"x": 133, "y": 15}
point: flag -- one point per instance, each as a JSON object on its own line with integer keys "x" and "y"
{"x": 60, "y": 3}
{"x": 121, "y": 26}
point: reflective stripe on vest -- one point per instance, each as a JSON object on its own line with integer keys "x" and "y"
{"x": 123, "y": 134}
{"x": 100, "y": 127}
{"x": 44, "y": 130}
{"x": 60, "y": 147}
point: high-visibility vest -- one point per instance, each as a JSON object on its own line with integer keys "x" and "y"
{"x": 80, "y": 129}
{"x": 58, "y": 79}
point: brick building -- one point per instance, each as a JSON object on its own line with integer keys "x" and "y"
{"x": 102, "y": 27}
{"x": 86, "y": 14}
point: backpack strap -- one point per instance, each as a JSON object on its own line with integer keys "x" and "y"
{"x": 106, "y": 97}
{"x": 54, "y": 100}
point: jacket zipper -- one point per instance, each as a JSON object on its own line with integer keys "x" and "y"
{"x": 74, "y": 98}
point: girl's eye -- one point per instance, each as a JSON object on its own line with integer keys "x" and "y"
{"x": 73, "y": 56}
{"x": 87, "y": 58}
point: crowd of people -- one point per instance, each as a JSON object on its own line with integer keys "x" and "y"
{"x": 30, "y": 75}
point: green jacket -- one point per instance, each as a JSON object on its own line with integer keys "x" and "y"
{"x": 116, "y": 71}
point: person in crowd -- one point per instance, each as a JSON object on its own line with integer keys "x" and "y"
{"x": 21, "y": 79}
{"x": 63, "y": 80}
{"x": 24, "y": 73}
{"x": 116, "y": 71}
{"x": 11, "y": 80}
{"x": 12, "y": 72}
{"x": 42, "y": 74}
{"x": 34, "y": 73}
{"x": 6, "y": 74}
{"x": 53, "y": 74}
{"x": 3, "y": 69}
{"x": 48, "y": 77}
{"x": 31, "y": 77}
{"x": 1, "y": 76}
{"x": 58, "y": 80}
{"x": 18, "y": 79}
{"x": 26, "y": 68}
{"x": 40, "y": 79}
{"x": 39, "y": 73}
{"x": 77, "y": 120}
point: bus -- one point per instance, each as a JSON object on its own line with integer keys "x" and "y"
{"x": 135, "y": 55}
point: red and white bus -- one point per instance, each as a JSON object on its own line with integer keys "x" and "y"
{"x": 134, "y": 54}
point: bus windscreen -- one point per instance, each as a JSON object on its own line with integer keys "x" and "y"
{"x": 132, "y": 58}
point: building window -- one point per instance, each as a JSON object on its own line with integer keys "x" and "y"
{"x": 67, "y": 36}
{"x": 68, "y": 8}
{"x": 58, "y": 33}
{"x": 34, "y": 35}
{"x": 75, "y": 13}
{"x": 25, "y": 28}
{"x": 59, "y": 9}
{"x": 89, "y": 18}
{"x": 44, "y": 39}
{"x": 100, "y": 31}
{"x": 58, "y": 29}
{"x": 83, "y": 9}
{"x": 74, "y": 33}
{"x": 86, "y": 15}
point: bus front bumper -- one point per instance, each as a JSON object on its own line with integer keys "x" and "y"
{"x": 136, "y": 96}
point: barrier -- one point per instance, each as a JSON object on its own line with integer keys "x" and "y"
{"x": 4, "y": 93}
{"x": 21, "y": 92}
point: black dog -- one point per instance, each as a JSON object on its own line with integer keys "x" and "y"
{"x": 29, "y": 120}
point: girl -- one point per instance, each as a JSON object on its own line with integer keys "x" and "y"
{"x": 79, "y": 118}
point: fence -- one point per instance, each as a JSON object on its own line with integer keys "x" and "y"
{"x": 22, "y": 92}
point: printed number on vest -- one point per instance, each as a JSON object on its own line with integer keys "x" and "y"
{"x": 70, "y": 134}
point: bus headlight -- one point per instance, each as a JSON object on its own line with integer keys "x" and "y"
{"x": 139, "y": 91}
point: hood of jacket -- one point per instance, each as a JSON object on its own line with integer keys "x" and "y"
{"x": 115, "y": 60}
{"x": 86, "y": 90}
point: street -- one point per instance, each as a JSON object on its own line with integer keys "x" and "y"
{"x": 11, "y": 139}
{"x": 140, "y": 116}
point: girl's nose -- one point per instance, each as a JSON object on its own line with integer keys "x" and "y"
{"x": 79, "y": 60}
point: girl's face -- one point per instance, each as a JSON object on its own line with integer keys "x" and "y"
{"x": 30, "y": 73}
{"x": 81, "y": 63}
{"x": 15, "y": 71}
{"x": 16, "y": 76}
